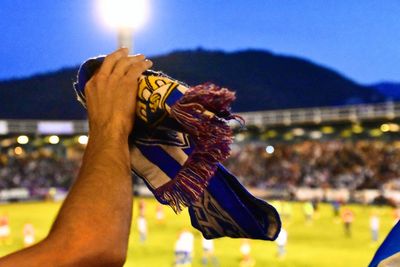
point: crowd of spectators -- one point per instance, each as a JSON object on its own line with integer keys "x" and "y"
{"x": 36, "y": 169}
{"x": 360, "y": 164}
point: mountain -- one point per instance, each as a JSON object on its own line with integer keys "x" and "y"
{"x": 389, "y": 89}
{"x": 265, "y": 81}
{"x": 45, "y": 96}
{"x": 262, "y": 81}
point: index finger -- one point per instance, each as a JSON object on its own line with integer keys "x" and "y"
{"x": 110, "y": 61}
{"x": 137, "y": 69}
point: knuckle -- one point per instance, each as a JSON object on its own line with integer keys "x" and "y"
{"x": 138, "y": 67}
{"x": 129, "y": 79}
{"x": 100, "y": 77}
{"x": 126, "y": 81}
{"x": 144, "y": 65}
{"x": 90, "y": 84}
{"x": 123, "y": 60}
{"x": 114, "y": 77}
{"x": 111, "y": 57}
{"x": 133, "y": 68}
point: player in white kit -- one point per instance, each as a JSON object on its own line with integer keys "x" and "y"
{"x": 374, "y": 226}
{"x": 4, "y": 229}
{"x": 184, "y": 249}
{"x": 29, "y": 234}
{"x": 208, "y": 253}
{"x": 142, "y": 228}
{"x": 281, "y": 241}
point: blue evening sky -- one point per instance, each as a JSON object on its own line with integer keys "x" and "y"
{"x": 359, "y": 38}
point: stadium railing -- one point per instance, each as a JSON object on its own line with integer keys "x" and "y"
{"x": 352, "y": 113}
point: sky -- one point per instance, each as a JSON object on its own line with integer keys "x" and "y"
{"x": 358, "y": 38}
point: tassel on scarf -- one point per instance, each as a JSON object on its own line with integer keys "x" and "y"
{"x": 203, "y": 113}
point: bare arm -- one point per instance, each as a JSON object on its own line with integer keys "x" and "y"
{"x": 92, "y": 227}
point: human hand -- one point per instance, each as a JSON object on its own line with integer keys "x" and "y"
{"x": 111, "y": 93}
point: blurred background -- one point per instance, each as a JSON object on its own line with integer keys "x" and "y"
{"x": 318, "y": 83}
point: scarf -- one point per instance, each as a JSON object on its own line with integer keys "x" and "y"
{"x": 181, "y": 137}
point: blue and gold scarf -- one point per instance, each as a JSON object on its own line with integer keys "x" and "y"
{"x": 181, "y": 137}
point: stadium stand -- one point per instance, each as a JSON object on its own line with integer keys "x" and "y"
{"x": 350, "y": 147}
{"x": 361, "y": 164}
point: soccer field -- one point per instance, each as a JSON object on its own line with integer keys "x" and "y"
{"x": 319, "y": 243}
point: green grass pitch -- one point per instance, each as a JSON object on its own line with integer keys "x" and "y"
{"x": 321, "y": 243}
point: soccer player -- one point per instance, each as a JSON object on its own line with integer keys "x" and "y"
{"x": 142, "y": 228}
{"x": 160, "y": 215}
{"x": 80, "y": 235}
{"x": 374, "y": 226}
{"x": 208, "y": 253}
{"x": 308, "y": 211}
{"x": 184, "y": 247}
{"x": 245, "y": 251}
{"x": 29, "y": 234}
{"x": 348, "y": 218}
{"x": 287, "y": 210}
{"x": 336, "y": 208}
{"x": 4, "y": 228}
{"x": 281, "y": 241}
{"x": 142, "y": 208}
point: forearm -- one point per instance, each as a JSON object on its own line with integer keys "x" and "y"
{"x": 37, "y": 255}
{"x": 95, "y": 218}
{"x": 104, "y": 188}
{"x": 92, "y": 226}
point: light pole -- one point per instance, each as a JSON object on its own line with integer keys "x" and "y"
{"x": 125, "y": 38}
{"x": 126, "y": 16}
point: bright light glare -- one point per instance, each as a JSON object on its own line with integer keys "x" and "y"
{"x": 18, "y": 151}
{"x": 385, "y": 127}
{"x": 54, "y": 139}
{"x": 83, "y": 139}
{"x": 124, "y": 13}
{"x": 393, "y": 127}
{"x": 23, "y": 139}
{"x": 239, "y": 137}
{"x": 357, "y": 128}
{"x": 315, "y": 134}
{"x": 298, "y": 131}
{"x": 327, "y": 129}
{"x": 269, "y": 149}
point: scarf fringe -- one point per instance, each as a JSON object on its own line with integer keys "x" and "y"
{"x": 203, "y": 113}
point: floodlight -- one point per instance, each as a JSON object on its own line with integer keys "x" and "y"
{"x": 23, "y": 139}
{"x": 54, "y": 139}
{"x": 126, "y": 16}
{"x": 83, "y": 139}
{"x": 124, "y": 13}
